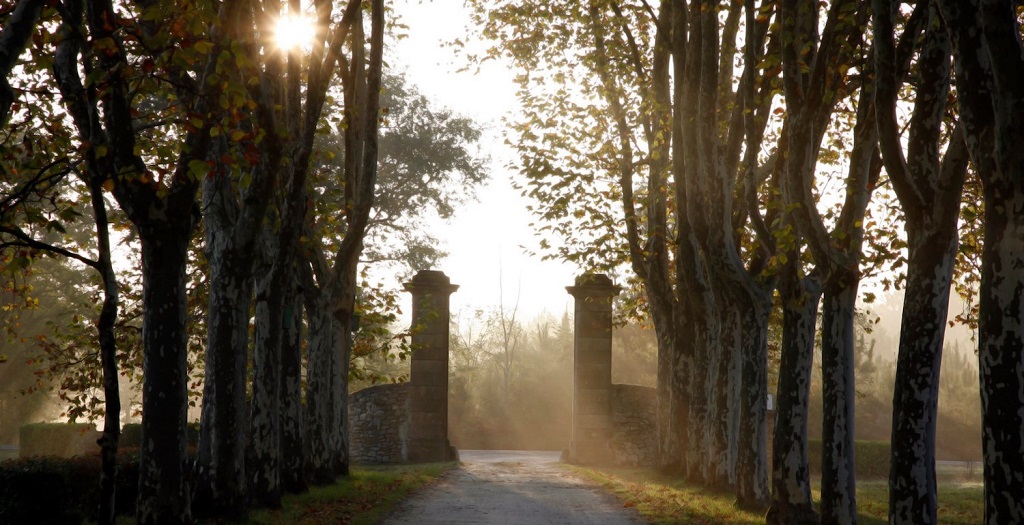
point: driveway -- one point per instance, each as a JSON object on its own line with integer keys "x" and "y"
{"x": 504, "y": 487}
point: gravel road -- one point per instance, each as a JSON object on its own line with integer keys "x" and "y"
{"x": 503, "y": 487}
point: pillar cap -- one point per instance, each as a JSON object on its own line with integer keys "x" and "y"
{"x": 593, "y": 285}
{"x": 431, "y": 280}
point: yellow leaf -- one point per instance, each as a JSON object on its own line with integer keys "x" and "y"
{"x": 204, "y": 46}
{"x": 108, "y": 184}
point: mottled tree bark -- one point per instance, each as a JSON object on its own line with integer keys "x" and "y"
{"x": 292, "y": 422}
{"x": 265, "y": 449}
{"x": 724, "y": 381}
{"x": 812, "y": 77}
{"x": 929, "y": 190}
{"x": 339, "y": 388}
{"x": 220, "y": 468}
{"x": 751, "y": 460}
{"x": 792, "y": 503}
{"x": 341, "y": 357}
{"x": 319, "y": 412}
{"x": 989, "y": 67}
{"x": 701, "y": 426}
{"x": 1001, "y": 349}
{"x": 838, "y": 474}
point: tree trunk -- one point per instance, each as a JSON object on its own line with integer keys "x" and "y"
{"x": 671, "y": 451}
{"x": 265, "y": 447}
{"x": 108, "y": 358}
{"x": 699, "y": 425}
{"x": 340, "y": 357}
{"x": 220, "y": 468}
{"x": 752, "y": 453}
{"x": 929, "y": 190}
{"x": 838, "y": 476}
{"x": 681, "y": 404}
{"x": 293, "y": 477}
{"x": 319, "y": 412}
{"x": 1001, "y": 351}
{"x": 987, "y": 50}
{"x": 17, "y": 31}
{"x": 722, "y": 471}
{"x": 912, "y": 487}
{"x": 164, "y": 495}
{"x": 792, "y": 503}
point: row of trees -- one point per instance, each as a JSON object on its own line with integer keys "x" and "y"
{"x": 188, "y": 115}
{"x": 696, "y": 142}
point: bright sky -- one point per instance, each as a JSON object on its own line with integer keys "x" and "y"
{"x": 485, "y": 239}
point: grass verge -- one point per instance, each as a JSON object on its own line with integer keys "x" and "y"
{"x": 666, "y": 499}
{"x": 364, "y": 498}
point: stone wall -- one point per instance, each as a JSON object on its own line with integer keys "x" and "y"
{"x": 634, "y": 436}
{"x": 379, "y": 419}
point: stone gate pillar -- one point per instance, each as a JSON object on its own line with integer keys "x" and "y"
{"x": 592, "y": 369}
{"x": 428, "y": 383}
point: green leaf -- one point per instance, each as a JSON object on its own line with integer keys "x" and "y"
{"x": 55, "y": 226}
{"x": 204, "y": 46}
{"x": 197, "y": 168}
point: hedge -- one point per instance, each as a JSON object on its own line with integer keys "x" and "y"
{"x": 49, "y": 490}
{"x": 131, "y": 435}
{"x": 872, "y": 457}
{"x": 58, "y": 439}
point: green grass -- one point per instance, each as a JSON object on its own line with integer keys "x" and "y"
{"x": 366, "y": 497}
{"x": 666, "y": 499}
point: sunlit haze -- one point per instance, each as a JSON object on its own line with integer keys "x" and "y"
{"x": 293, "y": 32}
{"x": 486, "y": 239}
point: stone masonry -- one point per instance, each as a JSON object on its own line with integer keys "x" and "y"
{"x": 634, "y": 442}
{"x": 611, "y": 424}
{"x": 428, "y": 388}
{"x": 592, "y": 370}
{"x": 379, "y": 419}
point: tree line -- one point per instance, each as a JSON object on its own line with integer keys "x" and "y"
{"x": 166, "y": 119}
{"x": 726, "y": 153}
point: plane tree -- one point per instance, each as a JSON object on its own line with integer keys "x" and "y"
{"x": 929, "y": 185}
{"x": 988, "y": 68}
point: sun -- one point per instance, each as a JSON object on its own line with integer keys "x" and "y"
{"x": 294, "y": 32}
